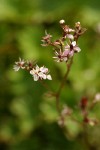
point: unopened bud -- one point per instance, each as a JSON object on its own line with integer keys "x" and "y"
{"x": 77, "y": 24}
{"x": 62, "y": 21}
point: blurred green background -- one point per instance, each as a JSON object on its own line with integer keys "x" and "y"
{"x": 28, "y": 119}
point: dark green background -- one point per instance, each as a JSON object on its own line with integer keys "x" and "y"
{"x": 28, "y": 119}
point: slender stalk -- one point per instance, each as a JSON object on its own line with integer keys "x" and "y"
{"x": 57, "y": 94}
{"x": 46, "y": 86}
{"x": 62, "y": 84}
{"x": 85, "y": 137}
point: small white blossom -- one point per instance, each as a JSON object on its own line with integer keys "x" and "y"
{"x": 67, "y": 53}
{"x": 19, "y": 64}
{"x": 40, "y": 73}
{"x": 63, "y": 56}
{"x": 60, "y": 57}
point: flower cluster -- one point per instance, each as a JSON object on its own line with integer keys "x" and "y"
{"x": 35, "y": 71}
{"x": 40, "y": 73}
{"x": 86, "y": 108}
{"x": 65, "y": 46}
{"x": 19, "y": 64}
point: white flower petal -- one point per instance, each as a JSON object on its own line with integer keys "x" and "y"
{"x": 32, "y": 71}
{"x": 49, "y": 77}
{"x": 44, "y": 70}
{"x": 37, "y": 68}
{"x": 44, "y": 76}
{"x": 21, "y": 61}
{"x": 62, "y": 21}
{"x": 71, "y": 53}
{"x": 41, "y": 75}
{"x": 70, "y": 36}
{"x": 16, "y": 68}
{"x": 74, "y": 43}
{"x": 77, "y": 49}
{"x": 36, "y": 77}
{"x": 65, "y": 59}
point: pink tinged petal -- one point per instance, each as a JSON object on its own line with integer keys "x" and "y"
{"x": 49, "y": 77}
{"x": 71, "y": 53}
{"x": 70, "y": 36}
{"x": 77, "y": 49}
{"x": 44, "y": 70}
{"x": 66, "y": 52}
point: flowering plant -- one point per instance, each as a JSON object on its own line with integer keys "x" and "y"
{"x": 64, "y": 50}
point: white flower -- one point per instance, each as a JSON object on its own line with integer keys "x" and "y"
{"x": 40, "y": 73}
{"x": 60, "y": 56}
{"x": 63, "y": 56}
{"x": 19, "y": 64}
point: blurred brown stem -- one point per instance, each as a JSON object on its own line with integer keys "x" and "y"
{"x": 85, "y": 137}
{"x": 46, "y": 85}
